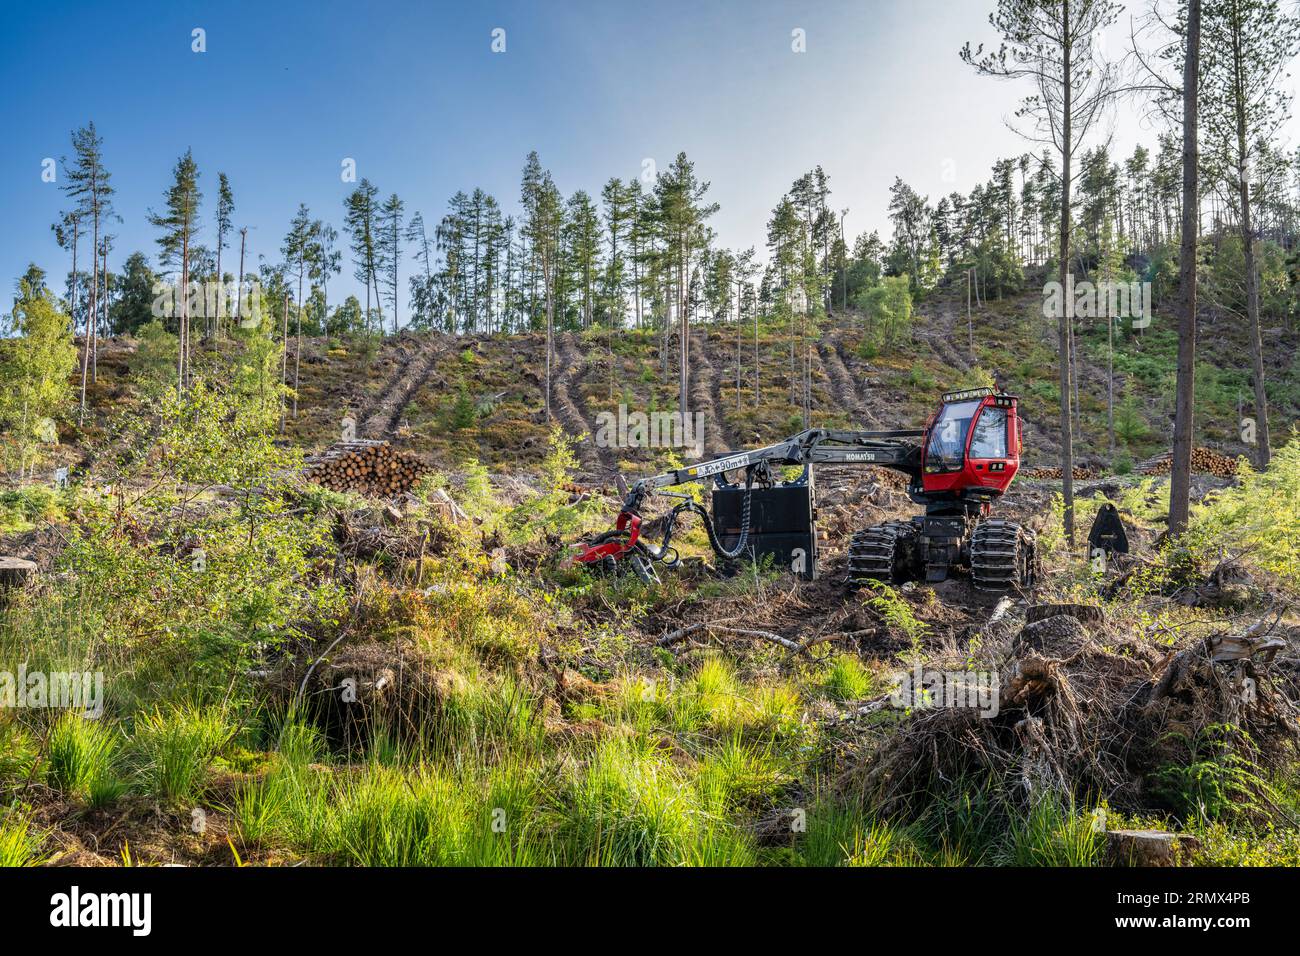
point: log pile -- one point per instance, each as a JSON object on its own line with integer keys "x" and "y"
{"x": 1080, "y": 474}
{"x": 371, "y": 468}
{"x": 1204, "y": 459}
{"x": 579, "y": 492}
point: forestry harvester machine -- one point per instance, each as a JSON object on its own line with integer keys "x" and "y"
{"x": 957, "y": 465}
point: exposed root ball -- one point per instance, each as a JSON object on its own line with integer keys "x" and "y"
{"x": 1082, "y": 713}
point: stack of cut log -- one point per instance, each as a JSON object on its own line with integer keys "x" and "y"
{"x": 1047, "y": 474}
{"x": 1204, "y": 459}
{"x": 890, "y": 478}
{"x": 371, "y": 468}
{"x": 579, "y": 492}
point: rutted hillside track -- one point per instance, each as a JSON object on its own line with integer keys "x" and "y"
{"x": 706, "y": 397}
{"x": 569, "y": 360}
{"x": 381, "y": 416}
{"x": 869, "y": 397}
{"x": 846, "y": 390}
{"x": 591, "y": 363}
{"x": 940, "y": 340}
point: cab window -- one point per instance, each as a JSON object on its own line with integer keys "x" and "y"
{"x": 990, "y": 437}
{"x": 948, "y": 436}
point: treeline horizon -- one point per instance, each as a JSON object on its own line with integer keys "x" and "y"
{"x": 616, "y": 262}
{"x": 642, "y": 254}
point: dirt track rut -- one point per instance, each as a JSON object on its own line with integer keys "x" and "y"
{"x": 568, "y": 409}
{"x": 844, "y": 386}
{"x": 380, "y": 417}
{"x": 706, "y": 397}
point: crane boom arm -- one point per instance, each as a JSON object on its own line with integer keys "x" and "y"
{"x": 818, "y": 446}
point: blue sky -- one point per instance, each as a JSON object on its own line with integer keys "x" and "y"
{"x": 414, "y": 93}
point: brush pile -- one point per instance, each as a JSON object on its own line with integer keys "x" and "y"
{"x": 1205, "y": 460}
{"x": 1081, "y": 710}
{"x": 372, "y": 468}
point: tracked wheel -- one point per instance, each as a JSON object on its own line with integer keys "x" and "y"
{"x": 1003, "y": 555}
{"x": 883, "y": 552}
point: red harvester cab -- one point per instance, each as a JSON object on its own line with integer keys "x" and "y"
{"x": 972, "y": 446}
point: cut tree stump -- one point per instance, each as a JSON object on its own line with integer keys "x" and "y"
{"x": 1148, "y": 847}
{"x": 446, "y": 506}
{"x": 15, "y": 572}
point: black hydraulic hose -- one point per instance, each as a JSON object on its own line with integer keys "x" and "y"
{"x": 661, "y": 553}
{"x": 714, "y": 541}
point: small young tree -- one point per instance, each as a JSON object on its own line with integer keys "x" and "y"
{"x": 34, "y": 370}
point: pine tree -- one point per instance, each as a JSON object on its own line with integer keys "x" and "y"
{"x": 679, "y": 195}
{"x": 784, "y": 238}
{"x": 542, "y": 220}
{"x": 134, "y": 306}
{"x": 1247, "y": 45}
{"x": 582, "y": 234}
{"x": 1180, "y": 478}
{"x": 89, "y": 184}
{"x": 359, "y": 220}
{"x": 325, "y": 260}
{"x": 390, "y": 248}
{"x": 421, "y": 283}
{"x": 179, "y": 223}
{"x": 617, "y": 201}
{"x": 1055, "y": 45}
{"x": 300, "y": 245}
{"x": 225, "y": 208}
{"x": 67, "y": 233}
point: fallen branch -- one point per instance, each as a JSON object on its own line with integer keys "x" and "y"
{"x": 713, "y": 626}
{"x": 1000, "y": 611}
